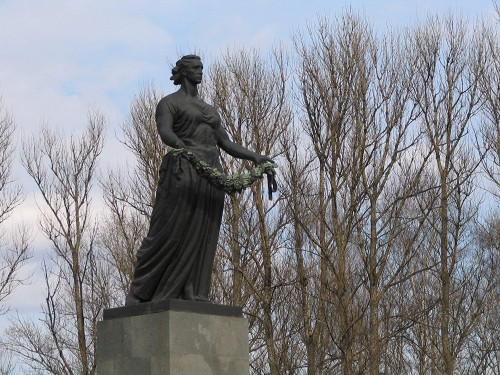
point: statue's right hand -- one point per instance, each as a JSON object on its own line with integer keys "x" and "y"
{"x": 261, "y": 159}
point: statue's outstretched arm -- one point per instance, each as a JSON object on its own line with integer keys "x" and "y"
{"x": 237, "y": 150}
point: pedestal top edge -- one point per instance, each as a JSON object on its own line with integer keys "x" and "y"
{"x": 172, "y": 305}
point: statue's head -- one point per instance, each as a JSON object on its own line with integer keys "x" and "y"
{"x": 180, "y": 69}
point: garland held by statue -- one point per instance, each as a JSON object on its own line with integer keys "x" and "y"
{"x": 234, "y": 183}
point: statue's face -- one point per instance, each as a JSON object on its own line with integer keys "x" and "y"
{"x": 193, "y": 72}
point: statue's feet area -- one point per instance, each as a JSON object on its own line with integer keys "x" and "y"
{"x": 197, "y": 298}
{"x": 132, "y": 299}
{"x": 202, "y": 299}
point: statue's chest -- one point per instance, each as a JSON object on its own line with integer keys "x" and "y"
{"x": 200, "y": 112}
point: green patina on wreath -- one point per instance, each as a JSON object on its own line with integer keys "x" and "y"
{"x": 234, "y": 183}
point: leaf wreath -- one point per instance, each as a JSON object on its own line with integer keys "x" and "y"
{"x": 234, "y": 183}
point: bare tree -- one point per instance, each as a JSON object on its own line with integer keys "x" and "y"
{"x": 484, "y": 347}
{"x": 390, "y": 163}
{"x": 14, "y": 249}
{"x": 14, "y": 246}
{"x": 303, "y": 300}
{"x": 446, "y": 88}
{"x": 331, "y": 54}
{"x": 249, "y": 91}
{"x": 7, "y": 366}
{"x": 489, "y": 84}
{"x": 64, "y": 172}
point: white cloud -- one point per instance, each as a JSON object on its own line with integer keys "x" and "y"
{"x": 60, "y": 57}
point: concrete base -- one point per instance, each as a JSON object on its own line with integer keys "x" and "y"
{"x": 173, "y": 337}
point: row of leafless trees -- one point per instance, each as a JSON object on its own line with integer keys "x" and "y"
{"x": 380, "y": 253}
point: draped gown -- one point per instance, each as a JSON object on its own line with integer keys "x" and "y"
{"x": 180, "y": 246}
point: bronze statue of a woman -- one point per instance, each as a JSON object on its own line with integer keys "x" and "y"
{"x": 176, "y": 257}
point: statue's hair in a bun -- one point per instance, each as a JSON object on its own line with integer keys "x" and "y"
{"x": 179, "y": 65}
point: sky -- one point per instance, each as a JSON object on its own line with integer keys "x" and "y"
{"x": 58, "y": 58}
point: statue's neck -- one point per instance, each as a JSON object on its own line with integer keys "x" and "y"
{"x": 189, "y": 88}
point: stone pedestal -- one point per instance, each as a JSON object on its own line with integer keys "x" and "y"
{"x": 173, "y": 337}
